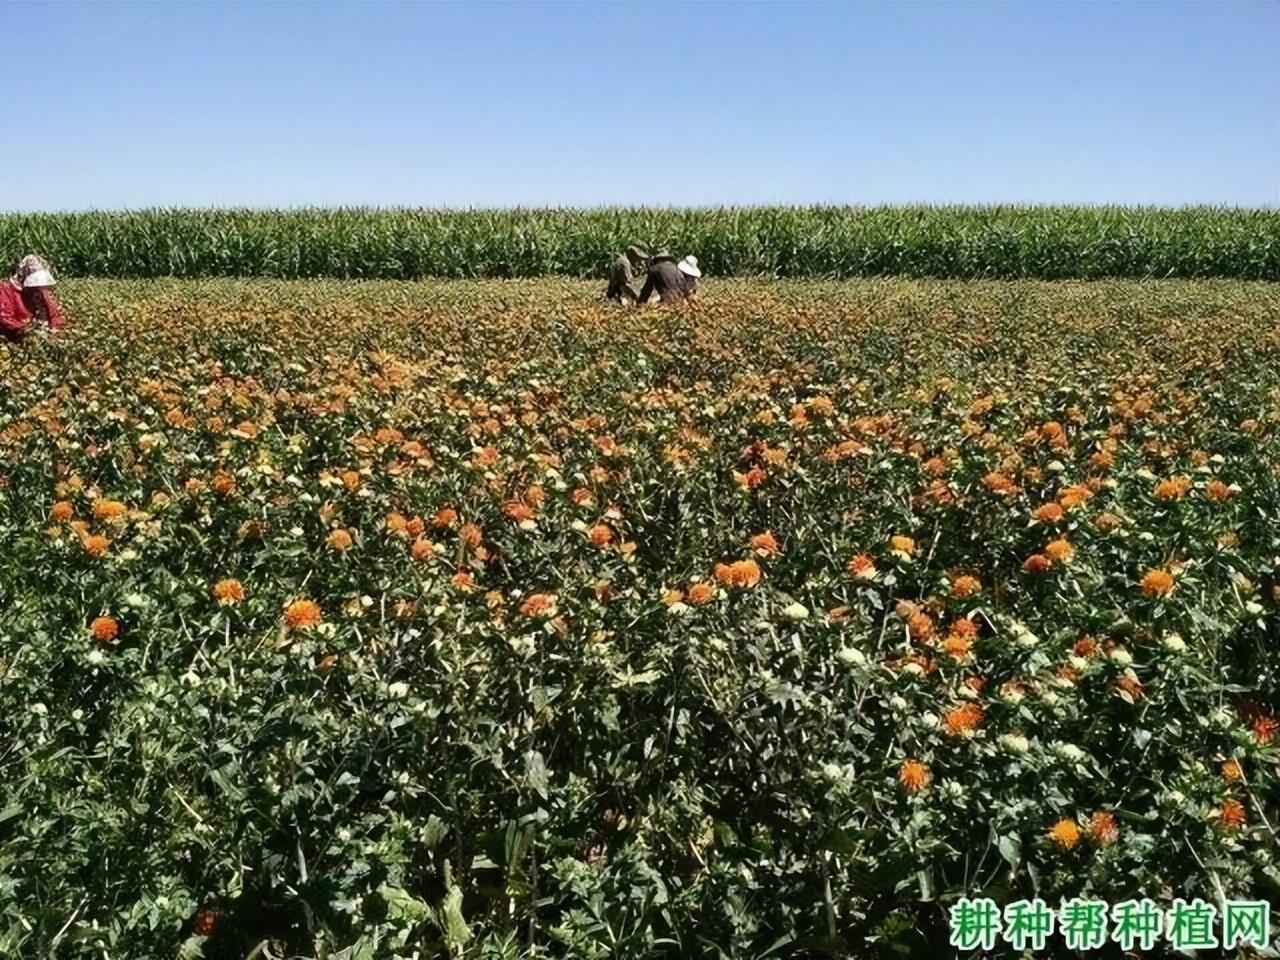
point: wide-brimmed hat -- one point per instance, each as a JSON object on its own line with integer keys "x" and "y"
{"x": 38, "y": 278}
{"x": 689, "y": 267}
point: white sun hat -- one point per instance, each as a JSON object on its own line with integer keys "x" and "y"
{"x": 39, "y": 278}
{"x": 689, "y": 266}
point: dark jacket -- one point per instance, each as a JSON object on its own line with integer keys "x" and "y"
{"x": 622, "y": 280}
{"x": 666, "y": 278}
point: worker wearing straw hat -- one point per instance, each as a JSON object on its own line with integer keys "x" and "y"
{"x": 670, "y": 281}
{"x": 28, "y": 296}
{"x": 622, "y": 275}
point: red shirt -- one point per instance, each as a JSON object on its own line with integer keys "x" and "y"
{"x": 52, "y": 311}
{"x": 14, "y": 315}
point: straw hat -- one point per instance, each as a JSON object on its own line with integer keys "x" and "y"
{"x": 38, "y": 278}
{"x": 689, "y": 266}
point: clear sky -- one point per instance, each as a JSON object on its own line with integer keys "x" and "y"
{"x": 496, "y": 104}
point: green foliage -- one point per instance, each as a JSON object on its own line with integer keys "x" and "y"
{"x": 442, "y": 769}
{"x": 962, "y": 242}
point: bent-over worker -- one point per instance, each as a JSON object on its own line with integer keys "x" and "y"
{"x": 622, "y": 276}
{"x": 671, "y": 281}
{"x": 28, "y": 296}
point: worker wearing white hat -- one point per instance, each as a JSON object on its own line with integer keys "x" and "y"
{"x": 671, "y": 282}
{"x": 28, "y": 296}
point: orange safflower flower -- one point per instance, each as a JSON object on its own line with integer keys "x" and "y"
{"x": 414, "y": 526}
{"x": 1157, "y": 583}
{"x": 517, "y": 510}
{"x": 1232, "y": 771}
{"x": 302, "y": 614}
{"x": 965, "y": 586}
{"x": 351, "y": 480}
{"x": 1065, "y": 833}
{"x": 956, "y": 647}
{"x": 1264, "y": 729}
{"x": 1130, "y": 685}
{"x": 96, "y": 545}
{"x": 739, "y": 573}
{"x": 914, "y": 776}
{"x": 463, "y": 580}
{"x": 1174, "y": 488}
{"x": 396, "y": 523}
{"x": 223, "y": 483}
{"x": 1217, "y": 491}
{"x": 999, "y": 484}
{"x": 1101, "y": 459}
{"x": 1106, "y": 522}
{"x": 902, "y": 545}
{"x": 1232, "y": 814}
{"x": 964, "y": 628}
{"x": 581, "y": 495}
{"x": 422, "y": 549}
{"x": 1074, "y": 496}
{"x": 108, "y": 509}
{"x": 339, "y": 540}
{"x": 228, "y": 591}
{"x": 600, "y": 535}
{"x": 700, "y": 593}
{"x": 1103, "y": 828}
{"x": 1048, "y": 513}
{"x": 764, "y": 544}
{"x": 1067, "y": 673}
{"x": 445, "y": 517}
{"x": 104, "y": 629}
{"x": 62, "y": 511}
{"x": 862, "y": 567}
{"x": 471, "y": 535}
{"x": 921, "y": 625}
{"x": 1059, "y": 551}
{"x": 1086, "y": 647}
{"x": 963, "y": 720}
{"x": 1036, "y": 563}
{"x": 539, "y": 605}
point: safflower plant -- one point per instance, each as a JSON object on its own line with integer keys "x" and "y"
{"x": 477, "y": 621}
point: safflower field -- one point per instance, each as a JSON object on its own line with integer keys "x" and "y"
{"x": 482, "y": 619}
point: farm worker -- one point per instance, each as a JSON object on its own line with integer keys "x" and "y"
{"x": 669, "y": 280}
{"x": 28, "y": 295}
{"x": 689, "y": 267}
{"x": 622, "y": 276}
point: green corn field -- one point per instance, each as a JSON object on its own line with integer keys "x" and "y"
{"x": 945, "y": 242}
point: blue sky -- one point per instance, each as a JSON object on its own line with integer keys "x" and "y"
{"x": 495, "y": 104}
